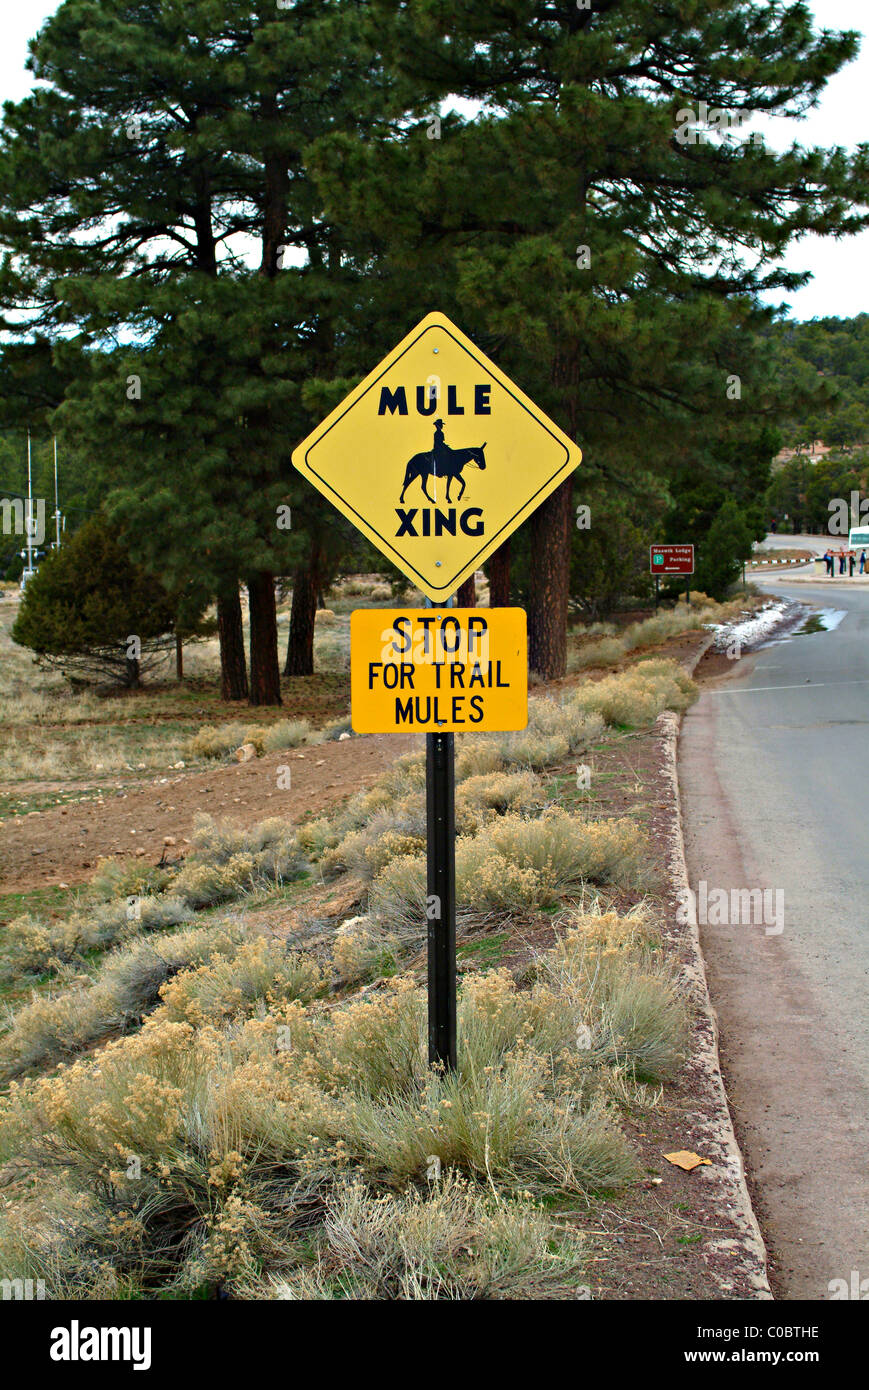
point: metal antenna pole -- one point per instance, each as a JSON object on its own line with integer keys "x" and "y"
{"x": 56, "y": 497}
{"x": 29, "y": 510}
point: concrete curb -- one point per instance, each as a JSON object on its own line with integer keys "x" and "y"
{"x": 728, "y": 1167}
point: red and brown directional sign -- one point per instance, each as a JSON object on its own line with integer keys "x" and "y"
{"x": 671, "y": 559}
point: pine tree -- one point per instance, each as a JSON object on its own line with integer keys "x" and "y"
{"x": 720, "y": 557}
{"x": 171, "y": 133}
{"x": 588, "y": 235}
{"x": 91, "y": 610}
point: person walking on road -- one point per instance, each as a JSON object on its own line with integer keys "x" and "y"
{"x": 828, "y": 561}
{"x": 852, "y": 560}
{"x": 841, "y": 562}
{"x": 862, "y": 561}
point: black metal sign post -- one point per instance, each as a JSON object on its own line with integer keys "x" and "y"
{"x": 440, "y": 906}
{"x": 440, "y": 779}
{"x": 657, "y": 591}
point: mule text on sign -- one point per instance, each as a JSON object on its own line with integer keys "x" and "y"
{"x": 438, "y": 671}
{"x": 671, "y": 559}
{"x": 437, "y": 457}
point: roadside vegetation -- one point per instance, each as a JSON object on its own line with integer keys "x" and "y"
{"x": 198, "y": 1098}
{"x": 62, "y": 735}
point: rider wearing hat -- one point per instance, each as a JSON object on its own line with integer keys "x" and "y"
{"x": 438, "y": 453}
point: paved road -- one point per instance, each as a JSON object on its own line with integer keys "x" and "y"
{"x": 779, "y": 540}
{"x": 774, "y": 768}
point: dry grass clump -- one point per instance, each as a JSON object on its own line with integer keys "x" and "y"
{"x": 555, "y": 729}
{"x": 361, "y": 807}
{"x": 397, "y": 894}
{"x": 317, "y": 836}
{"x": 632, "y": 1011}
{"x": 34, "y": 946}
{"x": 59, "y": 1024}
{"x": 289, "y": 733}
{"x": 363, "y": 951}
{"x": 334, "y": 728}
{"x": 272, "y": 842}
{"x": 648, "y": 633}
{"x": 228, "y": 860}
{"x": 114, "y": 878}
{"x": 531, "y": 748}
{"x": 597, "y": 629}
{"x": 516, "y": 864}
{"x": 519, "y": 863}
{"x": 201, "y": 885}
{"x": 563, "y": 719}
{"x": 398, "y": 791}
{"x": 481, "y": 798}
{"x": 116, "y": 921}
{"x": 253, "y": 977}
{"x": 604, "y": 652}
{"x": 126, "y": 900}
{"x": 388, "y": 822}
{"x": 92, "y": 752}
{"x": 188, "y": 1156}
{"x": 477, "y": 756}
{"x": 332, "y": 645}
{"x": 407, "y": 774}
{"x": 389, "y": 834}
{"x": 30, "y": 944}
{"x": 636, "y": 697}
{"x": 652, "y": 631}
{"x": 451, "y": 1241}
{"x": 362, "y": 586}
{"x": 220, "y": 740}
{"x": 51, "y": 701}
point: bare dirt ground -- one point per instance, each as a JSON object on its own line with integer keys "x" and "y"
{"x": 64, "y": 843}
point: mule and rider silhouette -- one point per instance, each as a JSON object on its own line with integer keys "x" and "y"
{"x": 441, "y": 462}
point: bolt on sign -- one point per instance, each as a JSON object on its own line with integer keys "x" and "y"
{"x": 434, "y": 670}
{"x": 671, "y": 559}
{"x": 437, "y": 457}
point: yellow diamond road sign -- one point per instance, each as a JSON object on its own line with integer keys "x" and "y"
{"x": 436, "y": 457}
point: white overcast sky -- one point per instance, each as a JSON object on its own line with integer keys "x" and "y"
{"x": 840, "y": 285}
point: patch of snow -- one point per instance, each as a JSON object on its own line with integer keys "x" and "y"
{"x": 749, "y": 628}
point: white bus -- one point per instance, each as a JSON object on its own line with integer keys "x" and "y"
{"x": 858, "y": 538}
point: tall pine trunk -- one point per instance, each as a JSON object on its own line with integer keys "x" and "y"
{"x": 499, "y": 576}
{"x": 303, "y": 616}
{"x": 265, "y": 673}
{"x": 179, "y": 657}
{"x": 549, "y": 587}
{"x": 233, "y": 668}
{"x": 466, "y": 594}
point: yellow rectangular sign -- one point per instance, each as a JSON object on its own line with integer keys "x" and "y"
{"x": 438, "y": 670}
